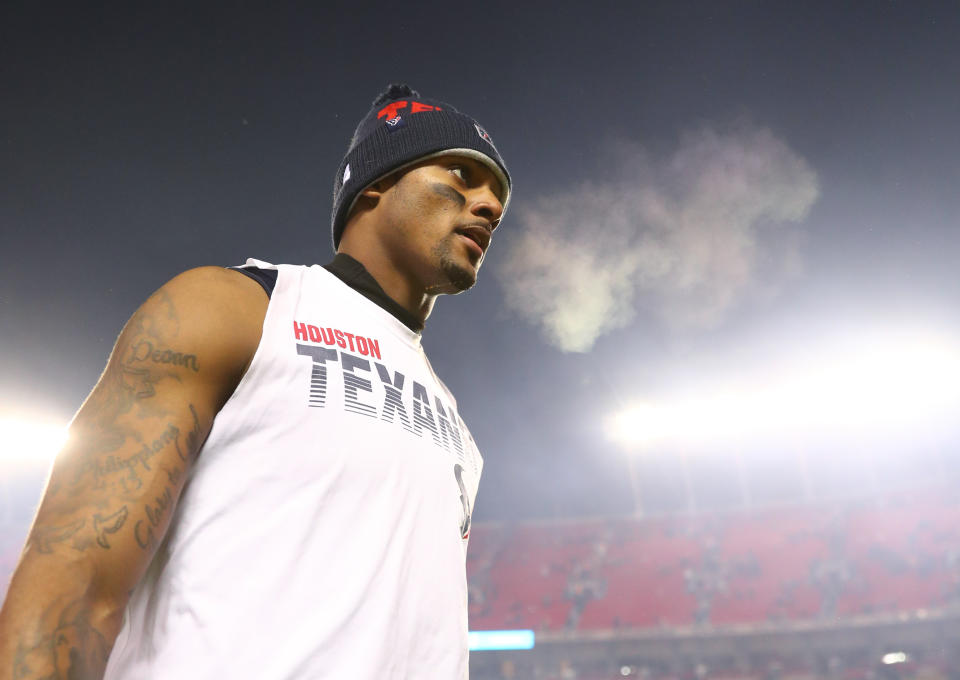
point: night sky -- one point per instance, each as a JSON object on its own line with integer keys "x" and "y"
{"x": 700, "y": 189}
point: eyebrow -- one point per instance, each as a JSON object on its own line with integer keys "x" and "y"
{"x": 499, "y": 190}
{"x": 450, "y": 193}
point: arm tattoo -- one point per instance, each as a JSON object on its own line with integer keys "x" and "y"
{"x": 73, "y": 650}
{"x": 45, "y": 536}
{"x": 193, "y": 442}
{"x": 143, "y": 530}
{"x": 144, "y": 350}
{"x": 109, "y": 524}
{"x": 109, "y": 419}
{"x": 100, "y": 526}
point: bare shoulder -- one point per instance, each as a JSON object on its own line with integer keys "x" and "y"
{"x": 218, "y": 281}
{"x": 209, "y": 312}
{"x": 217, "y": 292}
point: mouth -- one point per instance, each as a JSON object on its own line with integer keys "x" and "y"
{"x": 476, "y": 236}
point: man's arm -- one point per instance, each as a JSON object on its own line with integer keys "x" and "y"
{"x": 114, "y": 485}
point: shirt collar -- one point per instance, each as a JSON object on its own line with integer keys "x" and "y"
{"x": 355, "y": 275}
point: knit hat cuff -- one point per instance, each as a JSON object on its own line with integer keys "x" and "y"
{"x": 503, "y": 196}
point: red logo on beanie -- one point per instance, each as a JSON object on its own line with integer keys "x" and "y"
{"x": 391, "y": 109}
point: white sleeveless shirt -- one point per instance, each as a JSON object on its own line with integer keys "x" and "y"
{"x": 323, "y": 530}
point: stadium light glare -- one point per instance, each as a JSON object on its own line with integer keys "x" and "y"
{"x": 863, "y": 386}
{"x": 28, "y": 439}
{"x": 895, "y": 657}
{"x": 642, "y": 423}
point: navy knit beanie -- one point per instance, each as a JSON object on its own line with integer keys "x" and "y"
{"x": 401, "y": 129}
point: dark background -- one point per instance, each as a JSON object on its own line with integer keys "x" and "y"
{"x": 136, "y": 142}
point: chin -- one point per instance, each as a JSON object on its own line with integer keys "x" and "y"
{"x": 461, "y": 278}
{"x": 460, "y": 275}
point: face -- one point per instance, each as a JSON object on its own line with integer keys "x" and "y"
{"x": 438, "y": 221}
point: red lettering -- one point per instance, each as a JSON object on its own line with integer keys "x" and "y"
{"x": 374, "y": 347}
{"x": 300, "y": 330}
{"x": 390, "y": 110}
{"x": 333, "y": 336}
{"x": 417, "y": 107}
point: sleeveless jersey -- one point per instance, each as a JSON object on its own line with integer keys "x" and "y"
{"x": 323, "y": 530}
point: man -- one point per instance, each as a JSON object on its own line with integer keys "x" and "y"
{"x": 268, "y": 480}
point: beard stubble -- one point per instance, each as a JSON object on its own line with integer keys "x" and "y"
{"x": 460, "y": 278}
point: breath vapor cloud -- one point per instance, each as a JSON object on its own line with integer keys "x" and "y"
{"x": 683, "y": 238}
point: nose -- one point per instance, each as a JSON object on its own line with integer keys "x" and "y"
{"x": 486, "y": 204}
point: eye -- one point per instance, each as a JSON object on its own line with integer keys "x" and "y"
{"x": 460, "y": 172}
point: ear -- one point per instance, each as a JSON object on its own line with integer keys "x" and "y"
{"x": 377, "y": 189}
{"x": 373, "y": 192}
{"x": 368, "y": 198}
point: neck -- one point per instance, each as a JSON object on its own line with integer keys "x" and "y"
{"x": 400, "y": 287}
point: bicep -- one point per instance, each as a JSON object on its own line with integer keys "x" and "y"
{"x": 113, "y": 487}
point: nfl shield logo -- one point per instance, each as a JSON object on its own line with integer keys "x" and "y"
{"x": 484, "y": 135}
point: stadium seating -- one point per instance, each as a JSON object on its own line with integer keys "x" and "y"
{"x": 795, "y": 563}
{"x": 773, "y": 564}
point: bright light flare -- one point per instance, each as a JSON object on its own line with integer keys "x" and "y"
{"x": 895, "y": 657}
{"x": 643, "y": 423}
{"x": 883, "y": 385}
{"x": 30, "y": 440}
